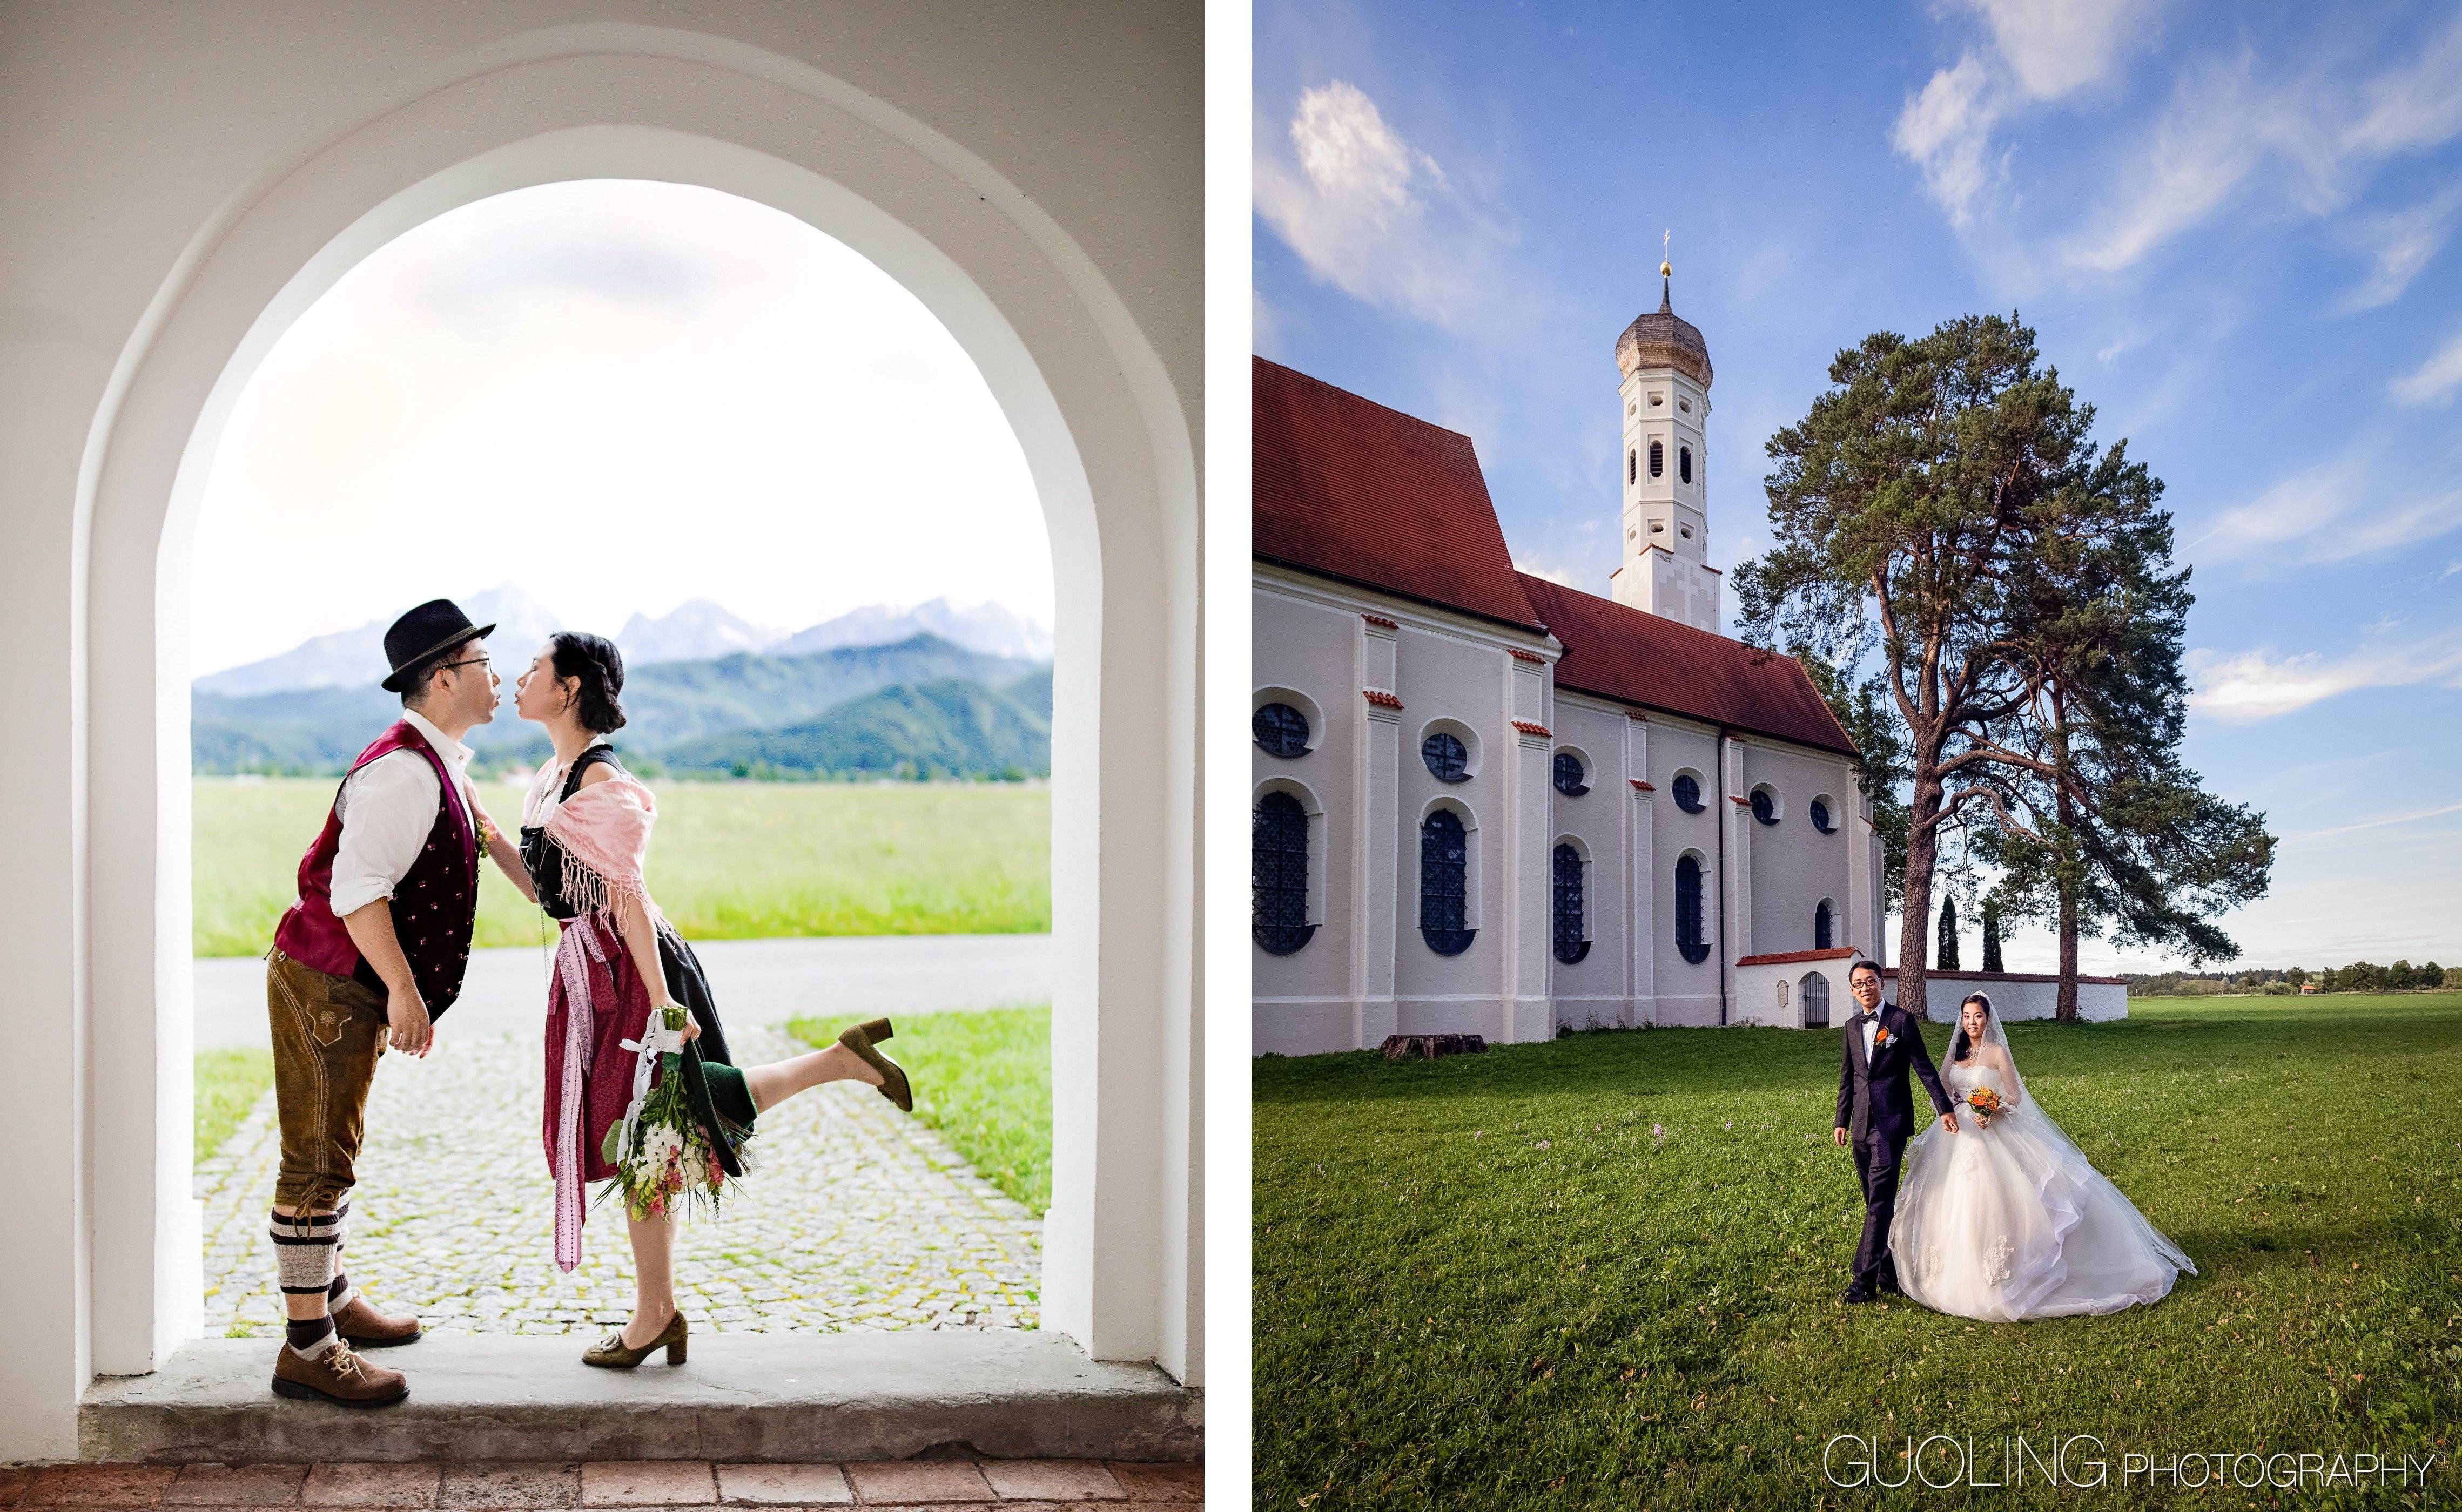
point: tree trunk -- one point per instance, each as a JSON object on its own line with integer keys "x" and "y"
{"x": 2064, "y": 1005}
{"x": 1915, "y": 914}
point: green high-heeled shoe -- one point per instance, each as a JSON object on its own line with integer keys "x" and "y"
{"x": 860, "y": 1039}
{"x": 613, "y": 1353}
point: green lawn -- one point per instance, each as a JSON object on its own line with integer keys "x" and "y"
{"x": 744, "y": 860}
{"x": 984, "y": 1079}
{"x": 228, "y": 1084}
{"x": 1603, "y": 1272}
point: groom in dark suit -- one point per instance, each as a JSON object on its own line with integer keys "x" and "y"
{"x": 1876, "y": 1117}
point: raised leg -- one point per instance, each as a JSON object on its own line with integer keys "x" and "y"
{"x": 774, "y": 1083}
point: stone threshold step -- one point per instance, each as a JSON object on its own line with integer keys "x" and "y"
{"x": 780, "y": 1397}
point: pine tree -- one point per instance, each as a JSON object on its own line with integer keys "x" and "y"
{"x": 1948, "y": 959}
{"x": 1992, "y": 936}
{"x": 1904, "y": 508}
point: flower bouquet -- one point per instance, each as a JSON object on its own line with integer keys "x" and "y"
{"x": 1984, "y": 1102}
{"x": 667, "y": 1162}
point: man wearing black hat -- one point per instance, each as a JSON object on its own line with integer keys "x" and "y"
{"x": 372, "y": 950}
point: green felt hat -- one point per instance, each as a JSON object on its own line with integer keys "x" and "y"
{"x": 720, "y": 1099}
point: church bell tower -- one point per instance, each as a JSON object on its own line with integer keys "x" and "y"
{"x": 1665, "y": 398}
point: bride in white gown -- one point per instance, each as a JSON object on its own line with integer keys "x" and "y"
{"x": 2009, "y": 1221}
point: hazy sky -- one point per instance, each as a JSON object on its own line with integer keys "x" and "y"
{"x": 618, "y": 395}
{"x": 2230, "y": 225}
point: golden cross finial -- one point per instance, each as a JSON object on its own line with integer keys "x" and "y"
{"x": 1666, "y": 240}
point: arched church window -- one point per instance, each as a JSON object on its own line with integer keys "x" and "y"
{"x": 1688, "y": 911}
{"x": 1821, "y": 926}
{"x": 1631, "y": 464}
{"x": 1281, "y": 729}
{"x": 1444, "y": 883}
{"x": 1764, "y": 809}
{"x": 1820, "y": 813}
{"x": 1657, "y": 460}
{"x": 1447, "y": 758}
{"x": 1570, "y": 775}
{"x": 1279, "y": 862}
{"x": 1571, "y": 946}
{"x": 1684, "y": 462}
{"x": 1688, "y": 793}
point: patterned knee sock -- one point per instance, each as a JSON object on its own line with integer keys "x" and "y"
{"x": 304, "y": 1247}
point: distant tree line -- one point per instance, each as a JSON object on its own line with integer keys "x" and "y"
{"x": 2360, "y": 976}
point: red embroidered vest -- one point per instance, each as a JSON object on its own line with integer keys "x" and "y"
{"x": 433, "y": 907}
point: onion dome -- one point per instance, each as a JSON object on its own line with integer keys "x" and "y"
{"x": 1664, "y": 340}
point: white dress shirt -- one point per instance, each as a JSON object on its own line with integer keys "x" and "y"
{"x": 387, "y": 808}
{"x": 1871, "y": 1025}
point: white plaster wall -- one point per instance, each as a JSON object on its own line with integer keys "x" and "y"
{"x": 1795, "y": 866}
{"x": 2014, "y": 996}
{"x": 180, "y": 180}
{"x": 1686, "y": 993}
{"x": 1443, "y": 675}
{"x": 1597, "y": 989}
{"x": 1305, "y": 1002}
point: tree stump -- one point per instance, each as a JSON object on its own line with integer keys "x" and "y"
{"x": 1428, "y": 1046}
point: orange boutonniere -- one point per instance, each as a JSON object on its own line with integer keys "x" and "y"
{"x": 1880, "y": 1037}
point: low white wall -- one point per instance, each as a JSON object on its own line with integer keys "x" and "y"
{"x": 2015, "y": 994}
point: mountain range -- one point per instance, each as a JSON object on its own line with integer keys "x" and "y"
{"x": 696, "y": 631}
{"x": 923, "y": 706}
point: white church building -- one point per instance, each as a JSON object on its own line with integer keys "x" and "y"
{"x": 1486, "y": 803}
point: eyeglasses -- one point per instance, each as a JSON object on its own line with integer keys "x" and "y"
{"x": 474, "y": 661}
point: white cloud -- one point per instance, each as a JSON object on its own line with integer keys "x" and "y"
{"x": 620, "y": 395}
{"x": 2434, "y": 380}
{"x": 1563, "y": 576}
{"x": 1946, "y": 128}
{"x": 2306, "y": 138}
{"x": 2336, "y": 512}
{"x": 1372, "y": 214}
{"x": 2256, "y": 685}
{"x": 2040, "y": 51}
{"x": 2398, "y": 245}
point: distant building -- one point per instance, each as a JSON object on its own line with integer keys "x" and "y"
{"x": 1485, "y": 802}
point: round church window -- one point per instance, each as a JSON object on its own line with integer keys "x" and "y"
{"x": 1688, "y": 793}
{"x": 1282, "y": 730}
{"x": 1569, "y": 774}
{"x": 1446, "y": 756}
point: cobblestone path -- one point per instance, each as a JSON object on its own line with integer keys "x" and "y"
{"x": 854, "y": 1216}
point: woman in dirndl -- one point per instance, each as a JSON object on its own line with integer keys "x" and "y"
{"x": 628, "y": 1004}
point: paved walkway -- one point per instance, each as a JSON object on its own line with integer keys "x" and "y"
{"x": 856, "y": 1215}
{"x": 1022, "y": 1486}
{"x": 757, "y": 981}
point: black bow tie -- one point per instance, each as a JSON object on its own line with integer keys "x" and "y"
{"x": 1867, "y": 1015}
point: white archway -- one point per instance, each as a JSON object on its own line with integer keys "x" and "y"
{"x": 1105, "y": 437}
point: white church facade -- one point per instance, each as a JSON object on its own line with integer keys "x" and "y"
{"x": 1486, "y": 803}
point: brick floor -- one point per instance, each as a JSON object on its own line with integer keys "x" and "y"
{"x": 411, "y": 1485}
{"x": 889, "y": 1485}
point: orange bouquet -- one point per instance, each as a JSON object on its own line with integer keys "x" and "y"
{"x": 1984, "y": 1102}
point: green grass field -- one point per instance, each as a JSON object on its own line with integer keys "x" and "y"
{"x": 228, "y": 1084}
{"x": 1485, "y": 1281}
{"x": 730, "y": 860}
{"x": 982, "y": 1078}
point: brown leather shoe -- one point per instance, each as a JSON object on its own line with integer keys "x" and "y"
{"x": 364, "y": 1326}
{"x": 337, "y": 1375}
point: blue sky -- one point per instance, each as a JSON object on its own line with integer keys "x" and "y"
{"x": 2231, "y": 227}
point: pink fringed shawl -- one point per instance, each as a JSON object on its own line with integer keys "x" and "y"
{"x": 603, "y": 832}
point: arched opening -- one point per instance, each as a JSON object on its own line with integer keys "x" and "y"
{"x": 1102, "y": 429}
{"x": 1813, "y": 991}
{"x": 667, "y": 414}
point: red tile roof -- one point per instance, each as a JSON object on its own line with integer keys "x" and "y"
{"x": 1349, "y": 489}
{"x": 1352, "y": 489}
{"x": 1619, "y": 652}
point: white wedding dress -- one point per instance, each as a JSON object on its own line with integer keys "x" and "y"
{"x": 2011, "y": 1221}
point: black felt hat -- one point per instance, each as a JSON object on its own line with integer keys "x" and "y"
{"x": 721, "y": 1099}
{"x": 435, "y": 626}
